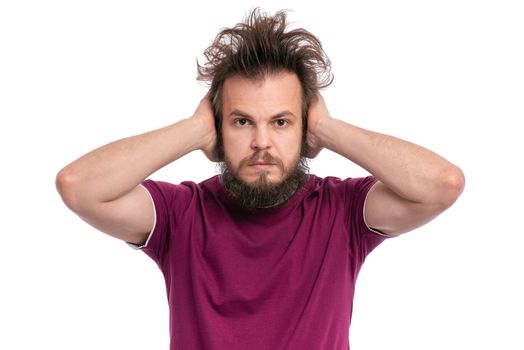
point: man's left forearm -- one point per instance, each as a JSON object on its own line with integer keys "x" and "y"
{"x": 411, "y": 171}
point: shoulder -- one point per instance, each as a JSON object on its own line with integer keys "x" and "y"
{"x": 345, "y": 186}
{"x": 334, "y": 192}
{"x": 167, "y": 191}
{"x": 212, "y": 184}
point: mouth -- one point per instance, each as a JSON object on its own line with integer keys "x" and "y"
{"x": 261, "y": 165}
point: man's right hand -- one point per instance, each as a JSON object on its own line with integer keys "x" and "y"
{"x": 204, "y": 114}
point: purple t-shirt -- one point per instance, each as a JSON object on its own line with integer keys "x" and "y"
{"x": 281, "y": 279}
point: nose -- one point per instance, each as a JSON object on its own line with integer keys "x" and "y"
{"x": 261, "y": 139}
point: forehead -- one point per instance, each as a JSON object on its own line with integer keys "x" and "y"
{"x": 270, "y": 95}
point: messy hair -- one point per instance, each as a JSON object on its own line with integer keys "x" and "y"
{"x": 258, "y": 47}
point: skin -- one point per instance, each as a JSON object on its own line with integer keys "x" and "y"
{"x": 414, "y": 184}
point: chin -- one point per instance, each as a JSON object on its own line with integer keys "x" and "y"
{"x": 262, "y": 178}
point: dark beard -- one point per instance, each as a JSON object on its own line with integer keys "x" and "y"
{"x": 262, "y": 193}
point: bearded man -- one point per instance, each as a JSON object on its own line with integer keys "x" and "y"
{"x": 264, "y": 255}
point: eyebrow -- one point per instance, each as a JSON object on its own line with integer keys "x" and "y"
{"x": 240, "y": 113}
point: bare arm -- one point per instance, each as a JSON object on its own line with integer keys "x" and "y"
{"x": 415, "y": 184}
{"x": 103, "y": 186}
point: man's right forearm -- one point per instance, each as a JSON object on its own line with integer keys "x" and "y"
{"x": 113, "y": 170}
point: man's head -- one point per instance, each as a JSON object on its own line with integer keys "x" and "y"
{"x": 263, "y": 80}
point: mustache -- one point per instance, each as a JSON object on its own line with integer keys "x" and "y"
{"x": 266, "y": 157}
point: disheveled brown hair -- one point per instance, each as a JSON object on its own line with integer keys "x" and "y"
{"x": 258, "y": 47}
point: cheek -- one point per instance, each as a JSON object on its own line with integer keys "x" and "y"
{"x": 229, "y": 141}
{"x": 293, "y": 144}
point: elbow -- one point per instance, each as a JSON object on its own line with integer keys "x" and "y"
{"x": 66, "y": 186}
{"x": 453, "y": 183}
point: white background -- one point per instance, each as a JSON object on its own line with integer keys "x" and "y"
{"x": 448, "y": 75}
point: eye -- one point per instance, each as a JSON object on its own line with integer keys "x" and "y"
{"x": 281, "y": 122}
{"x": 241, "y": 121}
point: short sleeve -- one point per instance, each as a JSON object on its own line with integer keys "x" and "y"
{"x": 363, "y": 238}
{"x": 167, "y": 210}
{"x": 137, "y": 246}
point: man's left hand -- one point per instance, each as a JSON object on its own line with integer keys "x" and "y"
{"x": 317, "y": 115}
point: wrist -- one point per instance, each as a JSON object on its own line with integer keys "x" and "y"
{"x": 195, "y": 129}
{"x": 204, "y": 135}
{"x": 320, "y": 131}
